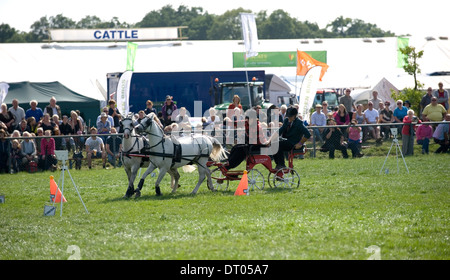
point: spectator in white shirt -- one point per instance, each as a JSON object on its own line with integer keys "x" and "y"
{"x": 318, "y": 118}
{"x": 371, "y": 117}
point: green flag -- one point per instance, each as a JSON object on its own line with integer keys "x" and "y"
{"x": 131, "y": 54}
{"x": 401, "y": 43}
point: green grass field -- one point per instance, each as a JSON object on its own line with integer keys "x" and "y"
{"x": 342, "y": 207}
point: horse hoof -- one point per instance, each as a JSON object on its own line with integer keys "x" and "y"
{"x": 138, "y": 194}
{"x": 158, "y": 191}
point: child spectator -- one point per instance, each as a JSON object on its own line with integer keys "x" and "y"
{"x": 48, "y": 158}
{"x": 16, "y": 156}
{"x": 424, "y": 133}
{"x": 354, "y": 139}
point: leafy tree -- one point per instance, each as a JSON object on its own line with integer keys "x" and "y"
{"x": 199, "y": 26}
{"x": 227, "y": 26}
{"x": 39, "y": 30}
{"x": 414, "y": 95}
{"x": 6, "y": 32}
{"x": 203, "y": 26}
{"x": 61, "y": 22}
{"x": 411, "y": 65}
{"x": 279, "y": 25}
{"x": 355, "y": 28}
{"x": 89, "y": 22}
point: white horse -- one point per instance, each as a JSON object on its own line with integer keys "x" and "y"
{"x": 133, "y": 159}
{"x": 166, "y": 153}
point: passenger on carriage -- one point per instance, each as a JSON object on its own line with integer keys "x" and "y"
{"x": 254, "y": 139}
{"x": 293, "y": 133}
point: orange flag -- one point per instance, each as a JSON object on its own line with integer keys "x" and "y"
{"x": 54, "y": 191}
{"x": 242, "y": 189}
{"x": 306, "y": 62}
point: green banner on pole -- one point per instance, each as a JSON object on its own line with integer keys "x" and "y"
{"x": 401, "y": 43}
{"x": 274, "y": 59}
{"x": 131, "y": 54}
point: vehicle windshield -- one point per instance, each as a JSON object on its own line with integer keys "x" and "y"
{"x": 230, "y": 91}
{"x": 331, "y": 98}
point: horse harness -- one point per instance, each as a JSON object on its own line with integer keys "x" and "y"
{"x": 177, "y": 155}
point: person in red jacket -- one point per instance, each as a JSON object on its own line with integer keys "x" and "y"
{"x": 47, "y": 158}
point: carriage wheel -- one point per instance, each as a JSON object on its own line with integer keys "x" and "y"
{"x": 286, "y": 178}
{"x": 219, "y": 180}
{"x": 270, "y": 179}
{"x": 255, "y": 179}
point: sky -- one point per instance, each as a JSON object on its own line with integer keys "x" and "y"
{"x": 418, "y": 18}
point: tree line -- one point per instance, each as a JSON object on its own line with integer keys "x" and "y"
{"x": 204, "y": 26}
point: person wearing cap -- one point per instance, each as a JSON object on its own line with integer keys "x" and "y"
{"x": 407, "y": 104}
{"x": 104, "y": 126}
{"x": 434, "y": 112}
{"x": 318, "y": 118}
{"x": 293, "y": 133}
{"x": 168, "y": 108}
{"x": 110, "y": 119}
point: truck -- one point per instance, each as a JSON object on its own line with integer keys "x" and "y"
{"x": 212, "y": 88}
{"x": 185, "y": 87}
{"x": 271, "y": 91}
{"x": 329, "y": 95}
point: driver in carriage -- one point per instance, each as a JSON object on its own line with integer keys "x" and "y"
{"x": 254, "y": 139}
{"x": 293, "y": 134}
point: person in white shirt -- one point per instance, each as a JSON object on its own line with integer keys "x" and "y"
{"x": 371, "y": 117}
{"x": 18, "y": 112}
{"x": 318, "y": 118}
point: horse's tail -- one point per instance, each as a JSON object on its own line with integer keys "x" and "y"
{"x": 218, "y": 152}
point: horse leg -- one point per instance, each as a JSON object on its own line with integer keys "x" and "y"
{"x": 176, "y": 177}
{"x": 209, "y": 180}
{"x": 201, "y": 178}
{"x": 162, "y": 172}
{"x": 149, "y": 170}
{"x": 130, "y": 189}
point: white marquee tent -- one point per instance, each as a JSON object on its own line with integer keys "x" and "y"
{"x": 354, "y": 63}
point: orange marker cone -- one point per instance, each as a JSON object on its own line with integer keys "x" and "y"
{"x": 242, "y": 189}
{"x": 54, "y": 191}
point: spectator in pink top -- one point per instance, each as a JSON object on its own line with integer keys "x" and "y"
{"x": 48, "y": 159}
{"x": 424, "y": 133}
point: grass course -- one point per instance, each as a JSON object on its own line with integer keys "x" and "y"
{"x": 341, "y": 210}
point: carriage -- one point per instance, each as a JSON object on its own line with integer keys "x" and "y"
{"x": 286, "y": 177}
{"x": 206, "y": 152}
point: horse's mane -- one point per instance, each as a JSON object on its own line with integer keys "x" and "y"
{"x": 155, "y": 118}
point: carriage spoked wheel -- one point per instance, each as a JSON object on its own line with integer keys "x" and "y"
{"x": 255, "y": 179}
{"x": 219, "y": 181}
{"x": 286, "y": 178}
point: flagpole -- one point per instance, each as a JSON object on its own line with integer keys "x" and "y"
{"x": 249, "y": 34}
{"x": 246, "y": 76}
{"x": 296, "y": 65}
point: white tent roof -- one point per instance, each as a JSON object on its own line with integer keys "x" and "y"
{"x": 82, "y": 67}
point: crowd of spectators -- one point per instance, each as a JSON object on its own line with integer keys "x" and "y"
{"x": 21, "y": 149}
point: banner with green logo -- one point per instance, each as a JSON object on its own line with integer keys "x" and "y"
{"x": 131, "y": 54}
{"x": 402, "y": 42}
{"x": 274, "y": 59}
